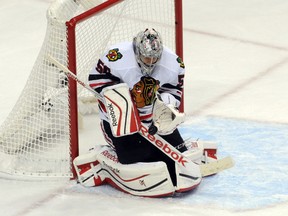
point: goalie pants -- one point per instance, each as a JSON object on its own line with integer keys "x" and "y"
{"x": 135, "y": 148}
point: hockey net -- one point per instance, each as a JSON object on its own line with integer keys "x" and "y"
{"x": 39, "y": 138}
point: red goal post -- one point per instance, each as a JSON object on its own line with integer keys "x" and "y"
{"x": 40, "y": 136}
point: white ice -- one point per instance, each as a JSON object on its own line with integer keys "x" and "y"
{"x": 236, "y": 93}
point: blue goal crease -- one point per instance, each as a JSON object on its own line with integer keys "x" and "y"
{"x": 260, "y": 175}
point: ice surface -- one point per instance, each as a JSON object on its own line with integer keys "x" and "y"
{"x": 236, "y": 93}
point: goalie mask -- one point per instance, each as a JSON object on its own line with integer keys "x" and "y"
{"x": 148, "y": 50}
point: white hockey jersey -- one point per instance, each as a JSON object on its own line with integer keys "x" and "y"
{"x": 119, "y": 65}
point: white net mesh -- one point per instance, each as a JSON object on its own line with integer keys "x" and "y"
{"x": 35, "y": 139}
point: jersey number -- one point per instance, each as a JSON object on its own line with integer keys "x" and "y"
{"x": 180, "y": 80}
{"x": 102, "y": 68}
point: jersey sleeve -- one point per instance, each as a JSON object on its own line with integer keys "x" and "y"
{"x": 101, "y": 76}
{"x": 175, "y": 86}
{"x": 111, "y": 66}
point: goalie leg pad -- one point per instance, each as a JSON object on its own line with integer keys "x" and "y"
{"x": 140, "y": 179}
{"x": 88, "y": 169}
{"x": 187, "y": 179}
{"x": 199, "y": 152}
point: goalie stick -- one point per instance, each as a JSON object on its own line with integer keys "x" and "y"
{"x": 155, "y": 139}
{"x": 214, "y": 167}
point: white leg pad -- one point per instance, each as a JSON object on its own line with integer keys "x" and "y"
{"x": 187, "y": 179}
{"x": 88, "y": 169}
{"x": 140, "y": 179}
{"x": 199, "y": 152}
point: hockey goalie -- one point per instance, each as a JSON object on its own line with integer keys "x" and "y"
{"x": 140, "y": 86}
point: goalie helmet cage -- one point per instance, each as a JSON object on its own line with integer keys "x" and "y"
{"x": 39, "y": 138}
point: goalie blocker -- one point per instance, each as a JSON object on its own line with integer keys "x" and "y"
{"x": 122, "y": 114}
{"x": 101, "y": 166}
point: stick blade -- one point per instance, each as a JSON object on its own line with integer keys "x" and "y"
{"x": 217, "y": 166}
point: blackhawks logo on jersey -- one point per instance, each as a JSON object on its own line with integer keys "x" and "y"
{"x": 144, "y": 91}
{"x": 179, "y": 60}
{"x": 114, "y": 55}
